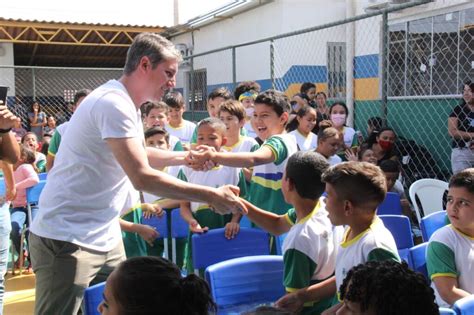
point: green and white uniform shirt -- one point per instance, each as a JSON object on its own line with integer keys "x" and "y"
{"x": 216, "y": 177}
{"x": 175, "y": 144}
{"x": 56, "y": 139}
{"x": 170, "y": 170}
{"x": 451, "y": 254}
{"x": 183, "y": 133}
{"x": 308, "y": 143}
{"x": 374, "y": 244}
{"x": 245, "y": 144}
{"x": 243, "y": 133}
{"x": 265, "y": 185}
{"x": 309, "y": 253}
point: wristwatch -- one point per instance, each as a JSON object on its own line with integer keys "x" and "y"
{"x": 5, "y": 131}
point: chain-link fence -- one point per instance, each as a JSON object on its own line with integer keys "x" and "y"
{"x": 409, "y": 74}
{"x": 53, "y": 88}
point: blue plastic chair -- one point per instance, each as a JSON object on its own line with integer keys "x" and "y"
{"x": 179, "y": 229}
{"x": 432, "y": 222}
{"x": 245, "y": 222}
{"x": 161, "y": 225}
{"x": 43, "y": 176}
{"x": 399, "y": 226}
{"x": 446, "y": 311}
{"x": 417, "y": 259}
{"x": 391, "y": 205}
{"x": 279, "y": 243}
{"x": 464, "y": 306}
{"x": 212, "y": 247}
{"x": 93, "y": 298}
{"x": 246, "y": 280}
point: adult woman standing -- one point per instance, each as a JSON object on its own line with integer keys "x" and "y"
{"x": 37, "y": 120}
{"x": 461, "y": 130}
{"x": 382, "y": 143}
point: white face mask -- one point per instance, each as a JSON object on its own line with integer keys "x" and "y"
{"x": 249, "y": 112}
{"x": 338, "y": 119}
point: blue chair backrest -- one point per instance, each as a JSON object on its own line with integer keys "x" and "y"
{"x": 279, "y": 243}
{"x": 391, "y": 205}
{"x": 43, "y": 176}
{"x": 179, "y": 227}
{"x": 245, "y": 222}
{"x": 432, "y": 222}
{"x": 93, "y": 298}
{"x": 160, "y": 223}
{"x": 33, "y": 193}
{"x": 446, "y": 311}
{"x": 213, "y": 247}
{"x": 400, "y": 227}
{"x": 464, "y": 306}
{"x": 417, "y": 259}
{"x": 246, "y": 280}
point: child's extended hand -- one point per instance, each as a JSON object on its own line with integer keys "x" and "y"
{"x": 150, "y": 209}
{"x": 231, "y": 230}
{"x": 351, "y": 156}
{"x": 148, "y": 233}
{"x": 196, "y": 228}
{"x": 290, "y": 302}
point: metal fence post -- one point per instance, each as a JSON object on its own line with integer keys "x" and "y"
{"x": 272, "y": 63}
{"x": 384, "y": 65}
{"x": 234, "y": 68}
{"x": 191, "y": 85}
{"x": 33, "y": 81}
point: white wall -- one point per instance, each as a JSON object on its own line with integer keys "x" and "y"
{"x": 7, "y": 75}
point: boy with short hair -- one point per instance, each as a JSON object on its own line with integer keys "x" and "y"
{"x": 269, "y": 161}
{"x": 354, "y": 190}
{"x": 450, "y": 254}
{"x": 157, "y": 115}
{"x": 214, "y": 100}
{"x": 309, "y": 249}
{"x": 177, "y": 126}
{"x": 391, "y": 170}
{"x": 199, "y": 216}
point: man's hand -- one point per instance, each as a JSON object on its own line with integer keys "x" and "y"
{"x": 151, "y": 209}
{"x": 194, "y": 227}
{"x": 7, "y": 119}
{"x": 227, "y": 201}
{"x": 290, "y": 302}
{"x": 148, "y": 233}
{"x": 201, "y": 158}
{"x": 231, "y": 230}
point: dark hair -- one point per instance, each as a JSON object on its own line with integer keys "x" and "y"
{"x": 304, "y": 170}
{"x": 390, "y": 288}
{"x": 45, "y": 145}
{"x": 364, "y": 147}
{"x": 275, "y": 99}
{"x": 340, "y": 104}
{"x": 375, "y": 122}
{"x": 303, "y": 96}
{"x": 390, "y": 166}
{"x": 27, "y": 134}
{"x": 174, "y": 99}
{"x": 305, "y": 87}
{"x": 234, "y": 108}
{"x": 150, "y": 132}
{"x": 267, "y": 310}
{"x": 151, "y": 45}
{"x": 220, "y": 92}
{"x": 35, "y": 102}
{"x": 214, "y": 122}
{"x": 322, "y": 93}
{"x": 464, "y": 179}
{"x": 147, "y": 285}
{"x": 155, "y": 105}
{"x": 326, "y": 131}
{"x": 361, "y": 183}
{"x": 372, "y": 139}
{"x": 246, "y": 86}
{"x": 79, "y": 94}
{"x": 29, "y": 155}
{"x": 301, "y": 113}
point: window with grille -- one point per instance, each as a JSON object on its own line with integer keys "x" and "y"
{"x": 197, "y": 90}
{"x": 336, "y": 59}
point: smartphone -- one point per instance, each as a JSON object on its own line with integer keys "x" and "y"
{"x": 3, "y": 94}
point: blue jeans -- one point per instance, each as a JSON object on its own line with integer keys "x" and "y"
{"x": 5, "y": 228}
{"x": 18, "y": 219}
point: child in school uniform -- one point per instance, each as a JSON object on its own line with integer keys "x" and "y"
{"x": 270, "y": 117}
{"x": 450, "y": 254}
{"x": 306, "y": 121}
{"x": 354, "y": 190}
{"x": 157, "y": 115}
{"x": 309, "y": 249}
{"x": 329, "y": 142}
{"x": 199, "y": 216}
{"x": 246, "y": 92}
{"x": 177, "y": 125}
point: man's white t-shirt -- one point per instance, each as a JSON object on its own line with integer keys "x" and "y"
{"x": 87, "y": 188}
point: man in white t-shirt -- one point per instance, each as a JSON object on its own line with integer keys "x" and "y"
{"x": 76, "y": 234}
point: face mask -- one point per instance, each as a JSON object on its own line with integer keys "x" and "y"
{"x": 338, "y": 119}
{"x": 386, "y": 145}
{"x": 249, "y": 111}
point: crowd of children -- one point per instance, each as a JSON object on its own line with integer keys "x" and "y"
{"x": 337, "y": 254}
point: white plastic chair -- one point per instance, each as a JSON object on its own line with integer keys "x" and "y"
{"x": 430, "y": 193}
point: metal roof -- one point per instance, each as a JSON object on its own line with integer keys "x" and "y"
{"x": 47, "y": 43}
